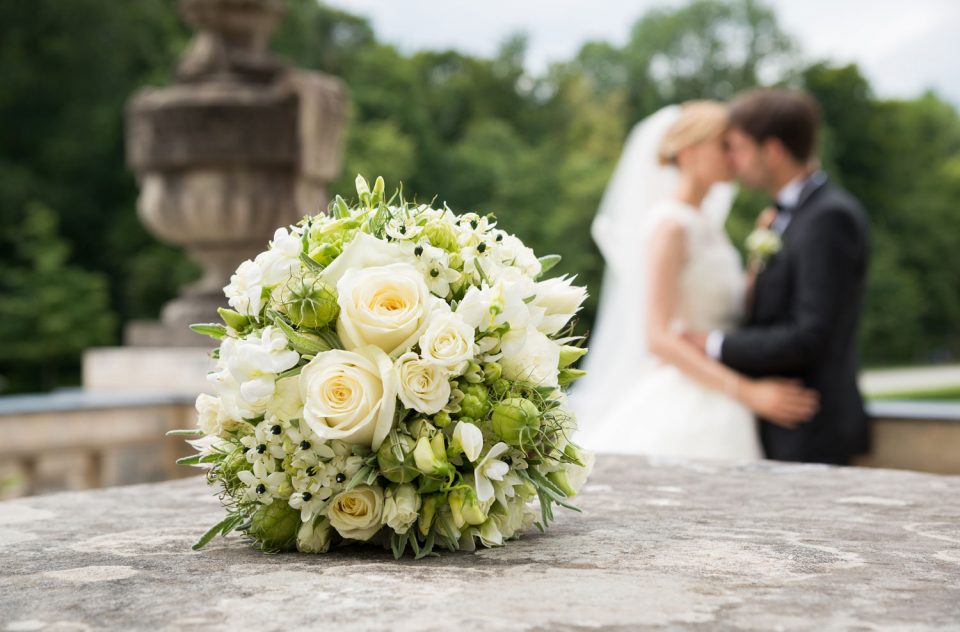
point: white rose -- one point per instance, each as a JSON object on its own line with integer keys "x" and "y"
{"x": 424, "y": 386}
{"x": 350, "y": 395}
{"x": 364, "y": 251}
{"x": 208, "y": 414}
{"x": 560, "y": 300}
{"x": 400, "y": 508}
{"x": 357, "y": 514}
{"x": 244, "y": 293}
{"x": 530, "y": 356}
{"x": 448, "y": 341}
{"x": 386, "y": 306}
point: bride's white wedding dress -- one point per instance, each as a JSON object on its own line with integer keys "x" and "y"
{"x": 630, "y": 402}
{"x": 655, "y": 408}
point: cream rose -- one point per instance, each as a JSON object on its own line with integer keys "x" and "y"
{"x": 423, "y": 385}
{"x": 350, "y": 395}
{"x": 386, "y": 306}
{"x": 356, "y": 514}
{"x": 400, "y": 508}
{"x": 448, "y": 341}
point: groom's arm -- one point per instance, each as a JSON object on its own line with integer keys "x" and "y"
{"x": 825, "y": 278}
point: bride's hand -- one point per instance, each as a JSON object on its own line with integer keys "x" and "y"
{"x": 783, "y": 402}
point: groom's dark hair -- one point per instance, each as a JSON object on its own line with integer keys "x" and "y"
{"x": 790, "y": 116}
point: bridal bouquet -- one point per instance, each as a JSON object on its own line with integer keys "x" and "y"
{"x": 391, "y": 372}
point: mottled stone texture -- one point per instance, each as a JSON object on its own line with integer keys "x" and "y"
{"x": 660, "y": 544}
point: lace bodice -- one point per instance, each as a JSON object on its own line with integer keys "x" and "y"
{"x": 712, "y": 284}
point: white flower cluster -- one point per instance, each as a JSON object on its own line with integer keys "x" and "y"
{"x": 392, "y": 369}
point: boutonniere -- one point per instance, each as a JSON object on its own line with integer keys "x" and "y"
{"x": 762, "y": 245}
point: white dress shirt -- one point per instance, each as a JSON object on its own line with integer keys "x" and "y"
{"x": 787, "y": 198}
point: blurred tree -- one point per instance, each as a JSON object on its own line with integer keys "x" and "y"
{"x": 50, "y": 310}
{"x": 481, "y": 134}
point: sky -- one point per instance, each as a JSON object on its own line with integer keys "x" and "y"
{"x": 903, "y": 47}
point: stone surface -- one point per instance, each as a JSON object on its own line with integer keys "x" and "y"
{"x": 663, "y": 544}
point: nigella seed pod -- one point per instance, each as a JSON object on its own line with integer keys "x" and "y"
{"x": 312, "y": 303}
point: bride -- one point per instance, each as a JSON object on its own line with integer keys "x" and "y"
{"x": 670, "y": 267}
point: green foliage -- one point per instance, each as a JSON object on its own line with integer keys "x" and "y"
{"x": 50, "y": 310}
{"x": 480, "y": 133}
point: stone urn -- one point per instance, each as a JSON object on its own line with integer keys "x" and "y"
{"x": 239, "y": 145}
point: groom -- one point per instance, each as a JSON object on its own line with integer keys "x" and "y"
{"x": 808, "y": 297}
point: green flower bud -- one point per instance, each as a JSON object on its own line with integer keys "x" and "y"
{"x": 442, "y": 235}
{"x": 477, "y": 390}
{"x": 430, "y": 455}
{"x": 232, "y": 464}
{"x": 428, "y": 511}
{"x": 573, "y": 453}
{"x": 275, "y": 525}
{"x": 465, "y": 508}
{"x": 312, "y": 303}
{"x": 516, "y": 420}
{"x": 378, "y": 187}
{"x": 473, "y": 407}
{"x": 325, "y": 253}
{"x": 363, "y": 189}
{"x": 420, "y": 427}
{"x": 570, "y": 354}
{"x": 559, "y": 478}
{"x": 394, "y": 469}
{"x": 442, "y": 419}
{"x": 492, "y": 372}
{"x": 315, "y": 536}
{"x": 569, "y": 375}
{"x": 233, "y": 319}
{"x": 500, "y": 387}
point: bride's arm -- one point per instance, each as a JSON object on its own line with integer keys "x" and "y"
{"x": 779, "y": 401}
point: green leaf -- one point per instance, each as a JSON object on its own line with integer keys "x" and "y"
{"x": 195, "y": 459}
{"x": 547, "y": 263}
{"x": 214, "y": 330}
{"x": 187, "y": 432}
{"x": 220, "y": 528}
{"x": 359, "y": 477}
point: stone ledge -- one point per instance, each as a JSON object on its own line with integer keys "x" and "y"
{"x": 661, "y": 543}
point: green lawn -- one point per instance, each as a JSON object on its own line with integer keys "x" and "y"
{"x": 951, "y": 393}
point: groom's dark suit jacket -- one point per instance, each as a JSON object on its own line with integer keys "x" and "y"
{"x": 804, "y": 324}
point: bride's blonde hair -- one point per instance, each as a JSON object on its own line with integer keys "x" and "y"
{"x": 699, "y": 121}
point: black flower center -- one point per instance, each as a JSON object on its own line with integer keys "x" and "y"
{"x": 261, "y": 488}
{"x": 276, "y": 429}
{"x": 434, "y": 273}
{"x": 261, "y": 448}
{"x": 418, "y": 250}
{"x": 304, "y": 445}
{"x": 307, "y": 496}
{"x": 311, "y": 471}
{"x": 341, "y": 477}
{"x": 482, "y": 247}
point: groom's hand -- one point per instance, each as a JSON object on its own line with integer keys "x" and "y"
{"x": 696, "y": 338}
